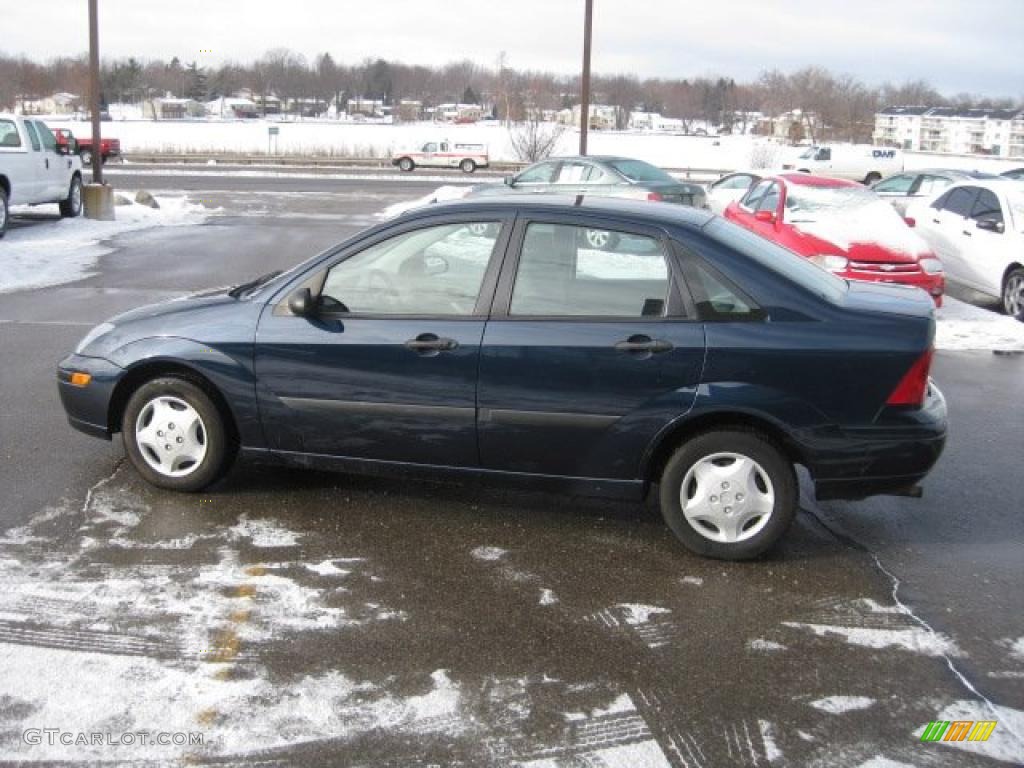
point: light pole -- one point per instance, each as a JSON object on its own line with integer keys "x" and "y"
{"x": 588, "y": 23}
{"x": 94, "y": 91}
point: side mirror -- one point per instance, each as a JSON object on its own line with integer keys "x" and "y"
{"x": 62, "y": 149}
{"x": 991, "y": 225}
{"x": 509, "y": 181}
{"x": 766, "y": 216}
{"x": 301, "y": 303}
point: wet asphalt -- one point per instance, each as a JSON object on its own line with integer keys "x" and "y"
{"x": 339, "y": 620}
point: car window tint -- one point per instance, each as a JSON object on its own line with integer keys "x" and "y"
{"x": 33, "y": 137}
{"x": 751, "y": 199}
{"x": 987, "y": 206}
{"x": 578, "y": 271}
{"x": 770, "y": 201}
{"x": 897, "y": 185}
{"x": 46, "y": 136}
{"x": 960, "y": 200}
{"x": 9, "y": 134}
{"x": 432, "y": 271}
{"x": 572, "y": 173}
{"x": 542, "y": 174}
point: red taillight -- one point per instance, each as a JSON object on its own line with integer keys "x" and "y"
{"x": 654, "y": 196}
{"x": 914, "y": 384}
{"x": 910, "y": 221}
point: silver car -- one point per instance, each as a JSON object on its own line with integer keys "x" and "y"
{"x": 905, "y": 188}
{"x": 604, "y": 176}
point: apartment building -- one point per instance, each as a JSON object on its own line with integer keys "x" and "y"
{"x": 997, "y": 132}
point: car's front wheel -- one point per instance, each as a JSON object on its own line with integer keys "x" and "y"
{"x": 406, "y": 164}
{"x": 1013, "y": 293}
{"x": 4, "y": 212}
{"x": 71, "y": 206}
{"x": 175, "y": 436}
{"x": 728, "y": 494}
{"x": 467, "y": 166}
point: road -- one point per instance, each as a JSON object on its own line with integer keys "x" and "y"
{"x": 307, "y": 618}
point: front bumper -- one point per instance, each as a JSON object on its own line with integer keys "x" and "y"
{"x": 88, "y": 407}
{"x": 890, "y": 457}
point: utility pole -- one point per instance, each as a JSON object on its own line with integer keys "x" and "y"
{"x": 94, "y": 91}
{"x": 588, "y": 23}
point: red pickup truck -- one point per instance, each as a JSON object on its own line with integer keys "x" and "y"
{"x": 108, "y": 147}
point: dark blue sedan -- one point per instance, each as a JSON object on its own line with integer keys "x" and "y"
{"x": 492, "y": 338}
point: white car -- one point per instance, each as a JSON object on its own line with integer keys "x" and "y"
{"x": 729, "y": 189}
{"x": 35, "y": 169}
{"x": 465, "y": 156}
{"x": 977, "y": 229}
{"x": 856, "y": 162}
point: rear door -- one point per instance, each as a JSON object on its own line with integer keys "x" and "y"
{"x": 387, "y": 368}
{"x": 16, "y": 155}
{"x": 55, "y": 167}
{"x": 37, "y": 164}
{"x": 588, "y": 353}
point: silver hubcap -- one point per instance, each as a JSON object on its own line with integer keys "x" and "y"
{"x": 1014, "y": 295}
{"x": 727, "y": 497}
{"x": 597, "y": 238}
{"x": 171, "y": 436}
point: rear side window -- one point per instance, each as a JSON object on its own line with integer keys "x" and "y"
{"x": 32, "y": 136}
{"x": 542, "y": 173}
{"x": 739, "y": 181}
{"x": 897, "y": 185}
{"x": 931, "y": 185}
{"x": 987, "y": 207}
{"x": 960, "y": 200}
{"x": 569, "y": 271}
{"x": 9, "y": 134}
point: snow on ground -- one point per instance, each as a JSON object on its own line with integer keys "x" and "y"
{"x": 965, "y": 326}
{"x": 838, "y": 705}
{"x": 65, "y": 250}
{"x": 760, "y": 644}
{"x": 915, "y": 640}
{"x": 489, "y": 553}
{"x": 637, "y": 613}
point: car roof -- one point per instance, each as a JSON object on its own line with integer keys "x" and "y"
{"x": 810, "y": 180}
{"x": 958, "y": 172}
{"x": 996, "y": 184}
{"x": 671, "y": 214}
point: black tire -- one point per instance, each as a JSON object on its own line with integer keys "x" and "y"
{"x": 871, "y": 178}
{"x": 467, "y": 166}
{"x": 5, "y": 212}
{"x": 220, "y": 446}
{"x": 406, "y": 164}
{"x": 86, "y": 156}
{"x": 71, "y": 206}
{"x": 1013, "y": 293}
{"x": 772, "y": 463}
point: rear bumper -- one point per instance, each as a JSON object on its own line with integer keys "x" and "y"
{"x": 88, "y": 407}
{"x": 889, "y": 457}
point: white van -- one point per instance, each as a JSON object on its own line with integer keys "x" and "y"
{"x": 857, "y": 162}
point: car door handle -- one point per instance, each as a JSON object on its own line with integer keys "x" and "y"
{"x": 429, "y": 342}
{"x": 936, "y": 221}
{"x": 643, "y": 344}
{"x": 967, "y": 233}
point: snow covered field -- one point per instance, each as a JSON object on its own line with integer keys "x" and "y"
{"x": 340, "y": 139}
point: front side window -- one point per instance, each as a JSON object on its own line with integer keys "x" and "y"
{"x": 33, "y": 137}
{"x": 738, "y": 181}
{"x": 573, "y": 173}
{"x": 638, "y": 170}
{"x": 543, "y": 173}
{"x": 753, "y": 197}
{"x": 432, "y": 271}
{"x": 9, "y": 134}
{"x": 567, "y": 271}
{"x": 770, "y": 201}
{"x": 431, "y": 147}
{"x": 987, "y": 207}
{"x": 46, "y": 136}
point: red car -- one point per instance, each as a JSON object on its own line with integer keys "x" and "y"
{"x": 841, "y": 226}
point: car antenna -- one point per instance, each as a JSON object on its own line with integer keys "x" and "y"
{"x": 579, "y": 201}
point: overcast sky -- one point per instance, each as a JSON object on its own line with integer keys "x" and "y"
{"x": 958, "y": 45}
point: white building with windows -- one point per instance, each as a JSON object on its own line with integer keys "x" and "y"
{"x": 997, "y": 132}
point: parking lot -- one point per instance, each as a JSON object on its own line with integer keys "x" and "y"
{"x": 300, "y": 617}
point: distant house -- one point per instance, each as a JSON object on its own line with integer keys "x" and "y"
{"x": 603, "y": 117}
{"x": 57, "y": 104}
{"x": 457, "y": 113}
{"x": 233, "y": 107}
{"x": 408, "y": 111}
{"x": 366, "y": 107}
{"x": 654, "y": 121}
{"x": 171, "y": 108}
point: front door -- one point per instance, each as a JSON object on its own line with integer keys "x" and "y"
{"x": 589, "y": 352}
{"x": 386, "y": 369}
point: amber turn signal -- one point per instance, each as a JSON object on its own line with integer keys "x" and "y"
{"x": 79, "y": 379}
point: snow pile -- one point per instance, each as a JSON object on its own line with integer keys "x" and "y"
{"x": 637, "y": 613}
{"x": 963, "y": 326}
{"x": 448, "y": 192}
{"x": 489, "y": 554}
{"x": 65, "y": 250}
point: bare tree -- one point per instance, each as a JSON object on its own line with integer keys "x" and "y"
{"x": 534, "y": 139}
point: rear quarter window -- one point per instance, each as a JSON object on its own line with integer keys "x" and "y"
{"x": 9, "y": 137}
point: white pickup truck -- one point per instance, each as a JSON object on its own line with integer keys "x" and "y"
{"x": 35, "y": 169}
{"x": 465, "y": 156}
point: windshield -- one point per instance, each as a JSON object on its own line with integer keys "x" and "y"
{"x": 638, "y": 170}
{"x": 786, "y": 263}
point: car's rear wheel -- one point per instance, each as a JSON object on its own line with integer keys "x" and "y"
{"x": 175, "y": 436}
{"x": 1013, "y": 293}
{"x": 467, "y": 166}
{"x": 4, "y": 212}
{"x": 71, "y": 206}
{"x": 728, "y": 494}
{"x": 406, "y": 164}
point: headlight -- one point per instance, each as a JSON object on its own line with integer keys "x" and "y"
{"x": 830, "y": 262}
{"x": 931, "y": 266}
{"x": 91, "y": 336}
